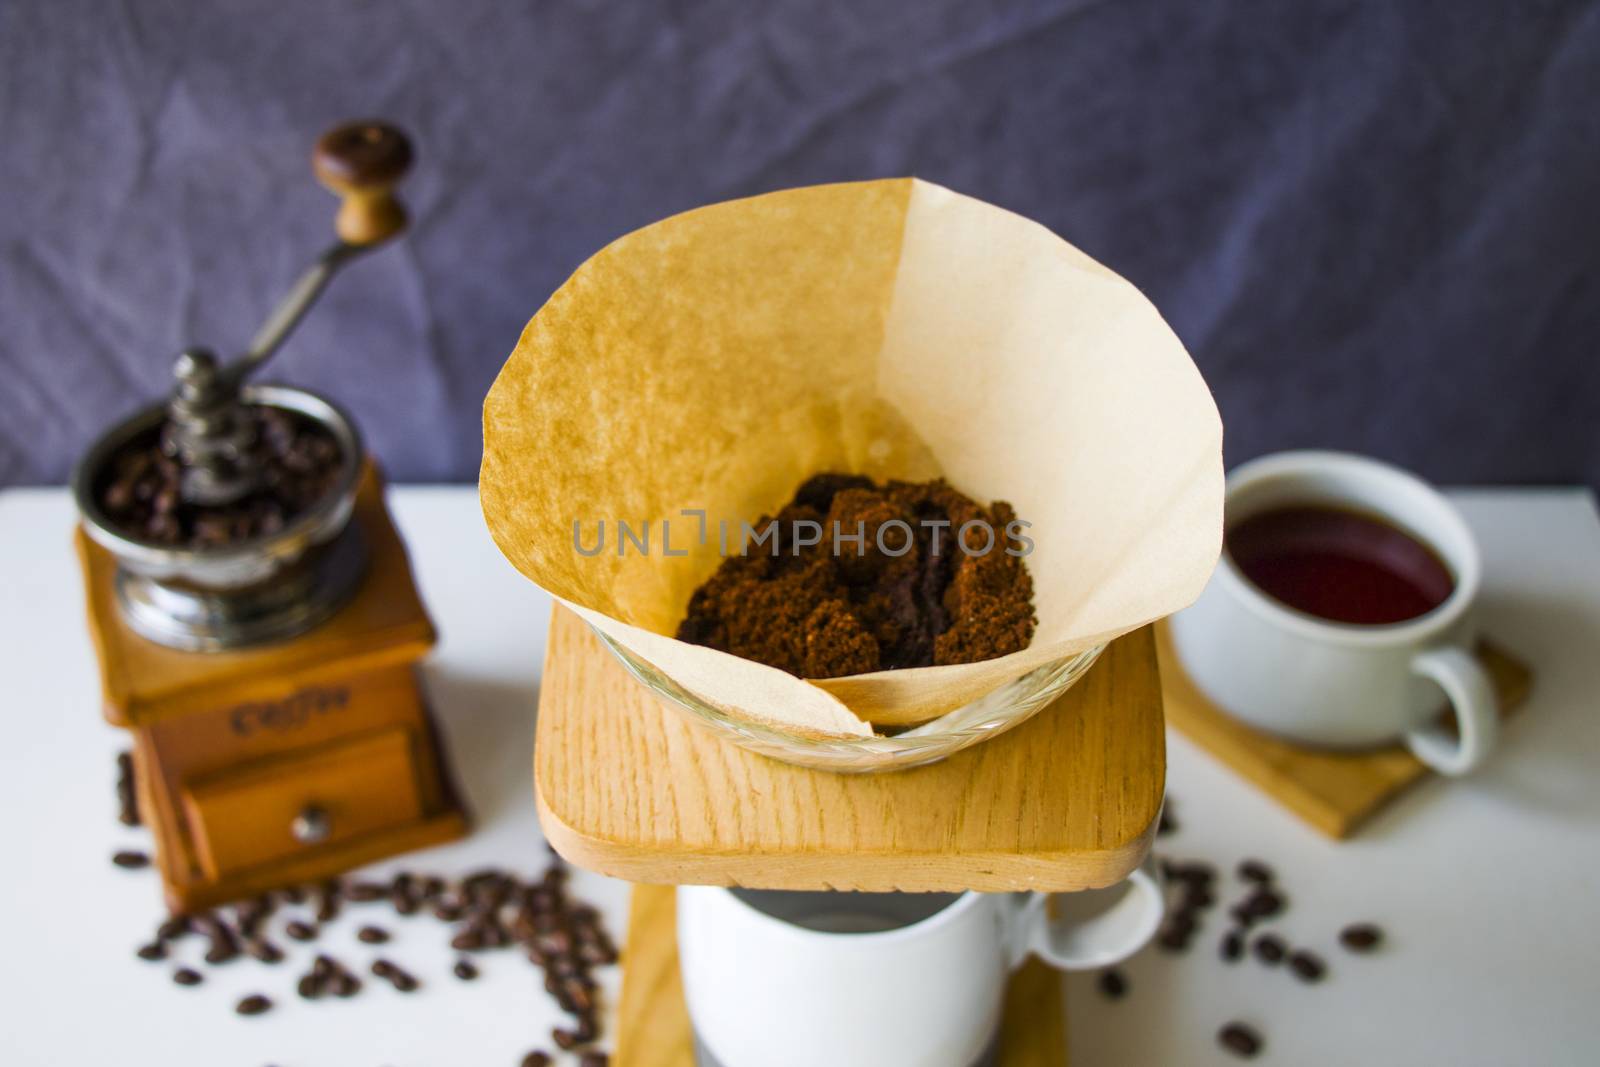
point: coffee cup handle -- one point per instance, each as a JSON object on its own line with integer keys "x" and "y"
{"x": 1109, "y": 937}
{"x": 1473, "y": 702}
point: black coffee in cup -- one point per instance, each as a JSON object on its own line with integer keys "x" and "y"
{"x": 1340, "y": 565}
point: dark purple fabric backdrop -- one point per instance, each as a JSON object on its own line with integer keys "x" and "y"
{"x": 1375, "y": 225}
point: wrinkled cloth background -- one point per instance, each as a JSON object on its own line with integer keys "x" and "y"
{"x": 1375, "y": 225}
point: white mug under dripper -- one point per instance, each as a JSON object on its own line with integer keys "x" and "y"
{"x": 796, "y": 979}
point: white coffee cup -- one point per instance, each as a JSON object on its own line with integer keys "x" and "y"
{"x": 1334, "y": 684}
{"x": 787, "y": 979}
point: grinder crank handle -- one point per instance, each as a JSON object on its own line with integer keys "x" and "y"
{"x": 361, "y": 162}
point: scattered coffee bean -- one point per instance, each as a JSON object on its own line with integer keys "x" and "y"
{"x": 254, "y": 1004}
{"x": 599, "y": 953}
{"x": 1255, "y": 871}
{"x": 468, "y": 940}
{"x": 309, "y": 986}
{"x": 130, "y": 859}
{"x": 1113, "y": 985}
{"x": 172, "y": 929}
{"x": 1264, "y": 904}
{"x": 1307, "y": 966}
{"x": 480, "y": 879}
{"x": 536, "y": 1059}
{"x": 1269, "y": 949}
{"x": 331, "y": 976}
{"x": 223, "y": 943}
{"x": 248, "y": 917}
{"x": 327, "y": 896}
{"x": 365, "y": 892}
{"x": 372, "y": 935}
{"x": 556, "y": 943}
{"x": 300, "y": 931}
{"x": 187, "y": 977}
{"x": 1239, "y": 1039}
{"x": 1232, "y": 946}
{"x": 1173, "y": 940}
{"x": 590, "y": 930}
{"x": 127, "y": 797}
{"x": 465, "y": 970}
{"x": 402, "y": 981}
{"x": 575, "y": 997}
{"x": 566, "y": 1039}
{"x": 221, "y": 952}
{"x": 210, "y": 924}
{"x": 154, "y": 951}
{"x": 593, "y": 1058}
{"x": 384, "y": 969}
{"x": 263, "y": 950}
{"x": 1361, "y": 937}
{"x": 1194, "y": 872}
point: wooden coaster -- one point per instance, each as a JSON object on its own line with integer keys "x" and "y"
{"x": 1334, "y": 791}
{"x": 653, "y": 1024}
{"x": 630, "y": 787}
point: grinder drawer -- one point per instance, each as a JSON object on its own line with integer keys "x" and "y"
{"x": 292, "y": 804}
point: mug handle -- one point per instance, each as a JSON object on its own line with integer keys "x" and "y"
{"x": 1472, "y": 699}
{"x": 1109, "y": 937}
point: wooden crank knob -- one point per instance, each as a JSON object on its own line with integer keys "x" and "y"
{"x": 362, "y": 162}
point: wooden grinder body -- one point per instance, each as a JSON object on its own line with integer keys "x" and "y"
{"x": 285, "y": 763}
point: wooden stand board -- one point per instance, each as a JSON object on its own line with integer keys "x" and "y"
{"x": 1334, "y": 791}
{"x": 653, "y": 1024}
{"x": 630, "y": 787}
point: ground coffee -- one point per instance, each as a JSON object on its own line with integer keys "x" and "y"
{"x": 853, "y": 577}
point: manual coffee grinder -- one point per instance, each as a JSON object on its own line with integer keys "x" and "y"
{"x": 252, "y": 608}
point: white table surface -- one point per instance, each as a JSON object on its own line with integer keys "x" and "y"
{"x": 1488, "y": 887}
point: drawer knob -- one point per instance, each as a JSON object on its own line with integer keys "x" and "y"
{"x": 311, "y": 825}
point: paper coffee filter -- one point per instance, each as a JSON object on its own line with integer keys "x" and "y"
{"x": 715, "y": 360}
